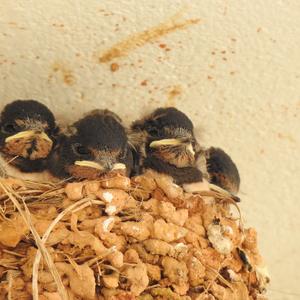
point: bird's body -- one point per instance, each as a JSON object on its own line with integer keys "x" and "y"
{"x": 182, "y": 175}
{"x": 165, "y": 143}
{"x": 95, "y": 145}
{"x": 27, "y": 135}
{"x": 221, "y": 170}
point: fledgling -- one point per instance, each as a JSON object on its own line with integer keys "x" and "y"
{"x": 165, "y": 142}
{"x": 27, "y": 136}
{"x": 93, "y": 146}
{"x": 219, "y": 169}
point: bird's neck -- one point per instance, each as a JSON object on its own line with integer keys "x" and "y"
{"x": 180, "y": 175}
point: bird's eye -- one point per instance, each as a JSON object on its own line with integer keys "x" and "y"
{"x": 153, "y": 131}
{"x": 9, "y": 128}
{"x": 80, "y": 149}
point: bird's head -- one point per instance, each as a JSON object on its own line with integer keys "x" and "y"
{"x": 97, "y": 145}
{"x": 167, "y": 133}
{"x": 27, "y": 130}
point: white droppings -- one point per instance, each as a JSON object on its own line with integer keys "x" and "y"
{"x": 233, "y": 276}
{"x": 106, "y": 224}
{"x": 222, "y": 244}
{"x": 113, "y": 249}
{"x": 135, "y": 228}
{"x": 209, "y": 200}
{"x": 228, "y": 229}
{"x": 111, "y": 209}
{"x": 262, "y": 275}
{"x": 108, "y": 197}
{"x": 194, "y": 260}
{"x": 180, "y": 246}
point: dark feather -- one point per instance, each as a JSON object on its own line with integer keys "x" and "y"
{"x": 180, "y": 175}
{"x": 101, "y": 138}
{"x": 222, "y": 170}
{"x": 21, "y": 115}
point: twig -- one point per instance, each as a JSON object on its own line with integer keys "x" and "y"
{"x": 41, "y": 246}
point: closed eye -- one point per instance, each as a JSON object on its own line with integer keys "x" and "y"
{"x": 153, "y": 131}
{"x": 80, "y": 150}
{"x": 9, "y": 128}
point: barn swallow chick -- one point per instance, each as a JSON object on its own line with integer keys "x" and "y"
{"x": 221, "y": 170}
{"x": 27, "y": 135}
{"x": 94, "y": 146}
{"x": 165, "y": 142}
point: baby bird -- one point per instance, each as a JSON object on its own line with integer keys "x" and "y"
{"x": 27, "y": 135}
{"x": 93, "y": 146}
{"x": 219, "y": 169}
{"x": 165, "y": 142}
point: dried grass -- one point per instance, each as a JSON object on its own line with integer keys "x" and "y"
{"x": 32, "y": 197}
{"x": 40, "y": 244}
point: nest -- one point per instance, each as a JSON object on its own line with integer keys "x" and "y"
{"x": 121, "y": 239}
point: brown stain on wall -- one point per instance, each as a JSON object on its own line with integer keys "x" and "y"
{"x": 172, "y": 95}
{"x": 284, "y": 136}
{"x": 64, "y": 72}
{"x": 16, "y": 26}
{"x": 140, "y": 39}
{"x": 144, "y": 82}
{"x": 114, "y": 67}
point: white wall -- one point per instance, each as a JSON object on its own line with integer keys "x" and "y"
{"x": 235, "y": 69}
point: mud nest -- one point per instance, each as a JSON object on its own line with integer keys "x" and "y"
{"x": 120, "y": 238}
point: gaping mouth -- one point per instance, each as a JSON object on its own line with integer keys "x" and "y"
{"x": 28, "y": 144}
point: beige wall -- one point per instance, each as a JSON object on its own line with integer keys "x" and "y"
{"x": 233, "y": 65}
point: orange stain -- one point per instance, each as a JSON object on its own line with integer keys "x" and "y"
{"x": 173, "y": 94}
{"x": 140, "y": 39}
{"x": 64, "y": 73}
{"x": 114, "y": 67}
{"x": 287, "y": 137}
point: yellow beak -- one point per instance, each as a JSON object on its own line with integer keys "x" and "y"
{"x": 88, "y": 164}
{"x": 119, "y": 166}
{"x": 165, "y": 142}
{"x": 27, "y": 135}
{"x": 95, "y": 165}
{"x": 171, "y": 142}
{"x": 190, "y": 148}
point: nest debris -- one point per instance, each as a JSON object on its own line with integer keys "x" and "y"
{"x": 122, "y": 239}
